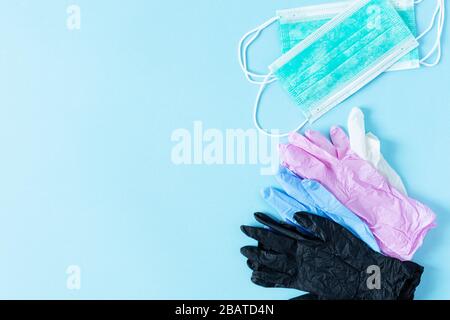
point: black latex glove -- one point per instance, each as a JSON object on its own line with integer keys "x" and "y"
{"x": 256, "y": 267}
{"x": 329, "y": 264}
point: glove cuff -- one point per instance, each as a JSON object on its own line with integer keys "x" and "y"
{"x": 412, "y": 282}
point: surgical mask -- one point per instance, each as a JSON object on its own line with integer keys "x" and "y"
{"x": 367, "y": 38}
{"x": 296, "y": 24}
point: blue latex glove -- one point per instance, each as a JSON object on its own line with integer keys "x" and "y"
{"x": 310, "y": 196}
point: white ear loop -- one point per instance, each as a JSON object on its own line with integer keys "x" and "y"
{"x": 243, "y": 49}
{"x": 439, "y": 14}
{"x": 263, "y": 86}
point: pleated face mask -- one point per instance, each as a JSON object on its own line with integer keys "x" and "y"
{"x": 297, "y": 24}
{"x": 341, "y": 55}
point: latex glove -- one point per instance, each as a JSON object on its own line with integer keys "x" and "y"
{"x": 329, "y": 263}
{"x": 368, "y": 147}
{"x": 398, "y": 222}
{"x": 310, "y": 196}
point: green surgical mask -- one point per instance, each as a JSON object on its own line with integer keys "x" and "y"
{"x": 297, "y": 24}
{"x": 341, "y": 55}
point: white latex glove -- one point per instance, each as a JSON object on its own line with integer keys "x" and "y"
{"x": 368, "y": 147}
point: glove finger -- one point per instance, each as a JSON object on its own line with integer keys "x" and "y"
{"x": 318, "y": 226}
{"x": 340, "y": 141}
{"x": 373, "y": 147}
{"x": 357, "y": 132}
{"x": 275, "y": 261}
{"x": 285, "y": 205}
{"x": 321, "y": 141}
{"x": 293, "y": 186}
{"x": 302, "y": 142}
{"x": 324, "y": 228}
{"x": 282, "y": 228}
{"x": 272, "y": 279}
{"x": 323, "y": 199}
{"x": 290, "y": 268}
{"x": 254, "y": 265}
{"x": 301, "y": 162}
{"x": 270, "y": 239}
{"x": 393, "y": 177}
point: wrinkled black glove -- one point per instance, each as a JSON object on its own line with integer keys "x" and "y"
{"x": 329, "y": 263}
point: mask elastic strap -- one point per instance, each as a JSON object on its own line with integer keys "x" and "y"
{"x": 263, "y": 86}
{"x": 439, "y": 14}
{"x": 243, "y": 49}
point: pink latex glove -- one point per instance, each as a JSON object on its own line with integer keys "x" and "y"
{"x": 398, "y": 222}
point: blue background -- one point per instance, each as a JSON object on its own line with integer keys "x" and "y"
{"x": 86, "y": 176}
